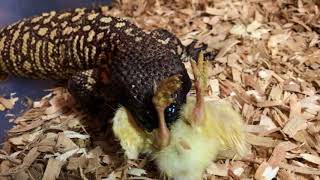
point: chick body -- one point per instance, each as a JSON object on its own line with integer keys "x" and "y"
{"x": 188, "y": 154}
{"x": 132, "y": 139}
{"x": 192, "y": 147}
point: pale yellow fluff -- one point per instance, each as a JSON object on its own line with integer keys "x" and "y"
{"x": 132, "y": 139}
{"x": 191, "y": 148}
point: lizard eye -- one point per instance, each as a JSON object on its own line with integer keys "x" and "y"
{"x": 171, "y": 113}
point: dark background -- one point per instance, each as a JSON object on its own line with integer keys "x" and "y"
{"x": 11, "y": 11}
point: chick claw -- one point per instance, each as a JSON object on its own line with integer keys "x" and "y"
{"x": 162, "y": 99}
{"x": 200, "y": 73}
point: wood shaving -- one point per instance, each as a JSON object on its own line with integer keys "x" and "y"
{"x": 7, "y": 103}
{"x": 52, "y": 170}
{"x": 267, "y": 66}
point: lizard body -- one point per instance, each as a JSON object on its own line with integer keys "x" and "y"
{"x": 102, "y": 57}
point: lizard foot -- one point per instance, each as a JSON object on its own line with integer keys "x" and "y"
{"x": 162, "y": 99}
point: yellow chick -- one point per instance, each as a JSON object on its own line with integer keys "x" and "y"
{"x": 133, "y": 140}
{"x": 191, "y": 149}
{"x": 204, "y": 128}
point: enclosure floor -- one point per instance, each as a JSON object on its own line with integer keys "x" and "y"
{"x": 267, "y": 65}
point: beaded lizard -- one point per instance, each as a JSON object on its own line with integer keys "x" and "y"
{"x": 104, "y": 59}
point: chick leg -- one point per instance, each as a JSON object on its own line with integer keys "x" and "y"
{"x": 200, "y": 74}
{"x": 161, "y": 100}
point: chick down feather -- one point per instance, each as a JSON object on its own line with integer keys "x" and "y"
{"x": 191, "y": 148}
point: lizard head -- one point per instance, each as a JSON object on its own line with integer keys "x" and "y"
{"x": 145, "y": 112}
{"x": 140, "y": 80}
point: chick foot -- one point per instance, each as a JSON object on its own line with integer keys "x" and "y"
{"x": 161, "y": 99}
{"x": 200, "y": 73}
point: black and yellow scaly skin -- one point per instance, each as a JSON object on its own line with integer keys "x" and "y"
{"x": 104, "y": 58}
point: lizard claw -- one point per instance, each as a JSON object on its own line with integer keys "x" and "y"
{"x": 162, "y": 99}
{"x": 200, "y": 72}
